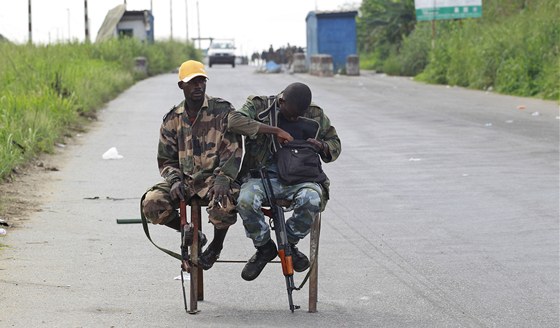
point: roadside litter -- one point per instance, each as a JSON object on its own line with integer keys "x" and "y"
{"x": 112, "y": 153}
{"x": 186, "y": 277}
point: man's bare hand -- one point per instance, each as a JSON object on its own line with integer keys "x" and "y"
{"x": 318, "y": 144}
{"x": 283, "y": 136}
{"x": 220, "y": 194}
{"x": 177, "y": 191}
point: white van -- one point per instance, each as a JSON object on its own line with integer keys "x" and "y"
{"x": 221, "y": 52}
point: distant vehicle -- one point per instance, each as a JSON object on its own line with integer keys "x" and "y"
{"x": 221, "y": 52}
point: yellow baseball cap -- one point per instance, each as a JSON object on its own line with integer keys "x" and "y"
{"x": 191, "y": 69}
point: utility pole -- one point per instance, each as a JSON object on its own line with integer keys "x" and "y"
{"x": 86, "y": 21}
{"x": 198, "y": 22}
{"x": 171, "y": 18}
{"x": 69, "y": 37}
{"x": 187, "y": 17}
{"x": 30, "y": 37}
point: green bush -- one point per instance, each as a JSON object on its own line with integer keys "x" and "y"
{"x": 47, "y": 89}
{"x": 514, "y": 49}
{"x": 548, "y": 80}
{"x": 415, "y": 50}
{"x": 392, "y": 65}
{"x": 438, "y": 62}
{"x": 367, "y": 61}
{"x": 518, "y": 55}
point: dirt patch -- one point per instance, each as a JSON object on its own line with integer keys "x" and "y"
{"x": 24, "y": 192}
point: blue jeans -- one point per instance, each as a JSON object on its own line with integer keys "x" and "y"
{"x": 306, "y": 204}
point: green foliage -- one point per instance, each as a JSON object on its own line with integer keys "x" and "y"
{"x": 517, "y": 56}
{"x": 170, "y": 52}
{"x": 48, "y": 89}
{"x": 368, "y": 60}
{"x": 392, "y": 66}
{"x": 384, "y": 22}
{"x": 414, "y": 53}
{"x": 513, "y": 48}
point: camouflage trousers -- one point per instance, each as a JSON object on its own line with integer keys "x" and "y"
{"x": 158, "y": 207}
{"x": 305, "y": 201}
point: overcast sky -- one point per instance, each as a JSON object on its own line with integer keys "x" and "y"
{"x": 254, "y": 24}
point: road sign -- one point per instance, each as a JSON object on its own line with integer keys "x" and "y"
{"x": 447, "y": 9}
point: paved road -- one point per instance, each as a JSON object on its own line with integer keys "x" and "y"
{"x": 444, "y": 213}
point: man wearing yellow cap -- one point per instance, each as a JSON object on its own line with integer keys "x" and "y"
{"x": 197, "y": 156}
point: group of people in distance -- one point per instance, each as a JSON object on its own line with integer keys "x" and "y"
{"x": 200, "y": 154}
{"x": 283, "y": 55}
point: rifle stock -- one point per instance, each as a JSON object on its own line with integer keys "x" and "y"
{"x": 287, "y": 264}
{"x": 279, "y": 227}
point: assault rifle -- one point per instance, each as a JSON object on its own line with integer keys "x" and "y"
{"x": 279, "y": 227}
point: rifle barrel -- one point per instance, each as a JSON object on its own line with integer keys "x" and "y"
{"x": 284, "y": 249}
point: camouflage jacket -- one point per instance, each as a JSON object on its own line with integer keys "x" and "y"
{"x": 246, "y": 121}
{"x": 204, "y": 151}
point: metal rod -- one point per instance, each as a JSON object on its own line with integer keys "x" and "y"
{"x": 128, "y": 221}
{"x": 184, "y": 292}
{"x": 290, "y": 299}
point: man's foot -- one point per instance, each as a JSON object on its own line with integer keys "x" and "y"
{"x": 299, "y": 260}
{"x": 174, "y": 223}
{"x": 208, "y": 258}
{"x": 256, "y": 264}
{"x": 188, "y": 237}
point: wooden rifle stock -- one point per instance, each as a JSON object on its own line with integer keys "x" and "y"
{"x": 287, "y": 264}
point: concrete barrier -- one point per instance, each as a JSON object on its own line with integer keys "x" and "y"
{"x": 141, "y": 65}
{"x": 321, "y": 65}
{"x": 353, "y": 65}
{"x": 299, "y": 65}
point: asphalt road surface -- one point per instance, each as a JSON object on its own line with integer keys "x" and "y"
{"x": 444, "y": 213}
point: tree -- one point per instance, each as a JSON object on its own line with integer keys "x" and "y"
{"x": 384, "y": 23}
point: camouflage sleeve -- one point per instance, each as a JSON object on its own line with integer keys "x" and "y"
{"x": 168, "y": 155}
{"x": 230, "y": 152}
{"x": 241, "y": 124}
{"x": 243, "y": 121}
{"x": 328, "y": 134}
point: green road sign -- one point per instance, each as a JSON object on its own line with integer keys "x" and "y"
{"x": 447, "y": 9}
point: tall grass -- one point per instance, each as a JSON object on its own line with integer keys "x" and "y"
{"x": 513, "y": 49}
{"x": 46, "y": 90}
{"x": 518, "y": 56}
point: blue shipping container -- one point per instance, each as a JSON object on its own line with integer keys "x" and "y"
{"x": 332, "y": 33}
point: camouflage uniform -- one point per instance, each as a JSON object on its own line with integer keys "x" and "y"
{"x": 203, "y": 153}
{"x": 308, "y": 199}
